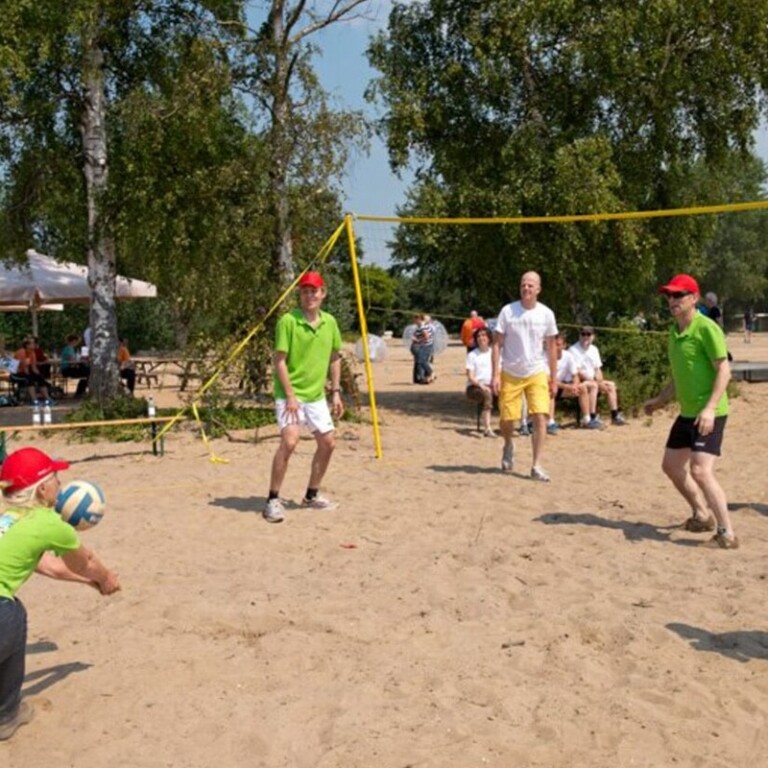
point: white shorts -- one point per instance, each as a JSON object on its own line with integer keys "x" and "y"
{"x": 316, "y": 416}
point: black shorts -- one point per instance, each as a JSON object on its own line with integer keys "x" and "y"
{"x": 684, "y": 434}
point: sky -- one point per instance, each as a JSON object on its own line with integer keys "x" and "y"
{"x": 370, "y": 187}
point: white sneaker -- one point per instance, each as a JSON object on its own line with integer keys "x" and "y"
{"x": 319, "y": 502}
{"x": 508, "y": 457}
{"x": 274, "y": 511}
{"x": 537, "y": 473}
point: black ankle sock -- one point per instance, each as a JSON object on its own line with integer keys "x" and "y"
{"x": 310, "y": 494}
{"x": 614, "y": 413}
{"x": 273, "y": 495}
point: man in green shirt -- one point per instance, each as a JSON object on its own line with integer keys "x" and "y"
{"x": 700, "y": 376}
{"x": 307, "y": 344}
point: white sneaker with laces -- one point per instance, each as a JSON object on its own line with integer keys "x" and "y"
{"x": 319, "y": 502}
{"x": 274, "y": 511}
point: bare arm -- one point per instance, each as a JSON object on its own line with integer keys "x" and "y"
{"x": 705, "y": 421}
{"x": 280, "y": 362}
{"x": 84, "y": 563}
{"x": 498, "y": 340}
{"x": 666, "y": 394}
{"x": 552, "y": 359}
{"x": 55, "y": 568}
{"x": 338, "y": 405}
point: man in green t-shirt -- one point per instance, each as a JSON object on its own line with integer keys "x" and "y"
{"x": 700, "y": 376}
{"x": 307, "y": 344}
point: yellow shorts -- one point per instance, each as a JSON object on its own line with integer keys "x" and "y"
{"x": 536, "y": 391}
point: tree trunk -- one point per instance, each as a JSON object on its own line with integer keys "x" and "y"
{"x": 104, "y": 381}
{"x": 282, "y": 254}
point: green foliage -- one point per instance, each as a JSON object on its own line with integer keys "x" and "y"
{"x": 119, "y": 408}
{"x": 637, "y": 361}
{"x": 220, "y": 420}
{"x": 191, "y": 202}
{"x": 521, "y": 109}
{"x": 379, "y": 291}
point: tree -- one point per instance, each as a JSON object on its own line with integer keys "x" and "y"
{"x": 307, "y": 140}
{"x": 61, "y": 69}
{"x": 535, "y": 108}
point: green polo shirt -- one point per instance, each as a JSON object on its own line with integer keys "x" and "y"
{"x": 25, "y": 535}
{"x": 691, "y": 354}
{"x": 308, "y": 352}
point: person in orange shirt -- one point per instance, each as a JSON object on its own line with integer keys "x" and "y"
{"x": 473, "y": 323}
{"x": 127, "y": 370}
{"x": 28, "y": 374}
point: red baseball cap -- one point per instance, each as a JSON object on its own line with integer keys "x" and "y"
{"x": 680, "y": 283}
{"x": 26, "y": 467}
{"x": 313, "y": 279}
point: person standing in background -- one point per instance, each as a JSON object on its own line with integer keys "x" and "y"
{"x": 748, "y": 320}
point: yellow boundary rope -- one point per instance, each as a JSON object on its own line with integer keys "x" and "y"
{"x": 321, "y": 256}
{"x": 699, "y": 210}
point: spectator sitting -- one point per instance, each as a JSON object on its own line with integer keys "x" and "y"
{"x": 468, "y": 329}
{"x": 479, "y": 367}
{"x": 41, "y": 359}
{"x": 589, "y": 364}
{"x": 27, "y": 375}
{"x": 127, "y": 370}
{"x": 569, "y": 384}
{"x": 74, "y": 368}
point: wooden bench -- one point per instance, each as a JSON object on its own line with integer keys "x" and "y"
{"x": 153, "y": 422}
{"x": 147, "y": 378}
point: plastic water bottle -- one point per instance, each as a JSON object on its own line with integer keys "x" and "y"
{"x": 47, "y": 415}
{"x": 36, "y": 415}
{"x": 151, "y": 410}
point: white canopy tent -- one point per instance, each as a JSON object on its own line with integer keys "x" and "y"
{"x": 43, "y": 281}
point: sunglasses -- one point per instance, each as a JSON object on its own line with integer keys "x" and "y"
{"x": 678, "y": 294}
{"x": 587, "y": 333}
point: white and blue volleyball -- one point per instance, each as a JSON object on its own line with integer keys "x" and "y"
{"x": 81, "y": 504}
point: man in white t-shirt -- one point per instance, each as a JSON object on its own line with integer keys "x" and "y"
{"x": 522, "y": 369}
{"x": 590, "y": 367}
{"x": 569, "y": 384}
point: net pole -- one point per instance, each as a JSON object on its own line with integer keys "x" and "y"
{"x": 364, "y": 334}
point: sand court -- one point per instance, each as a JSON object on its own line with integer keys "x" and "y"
{"x": 444, "y": 615}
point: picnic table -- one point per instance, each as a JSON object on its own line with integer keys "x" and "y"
{"x": 152, "y": 369}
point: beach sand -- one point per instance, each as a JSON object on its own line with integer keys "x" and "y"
{"x": 444, "y": 615}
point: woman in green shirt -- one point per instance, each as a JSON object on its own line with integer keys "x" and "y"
{"x": 33, "y": 537}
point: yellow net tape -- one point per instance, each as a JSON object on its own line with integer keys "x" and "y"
{"x": 322, "y": 255}
{"x": 212, "y": 457}
{"x": 699, "y": 210}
